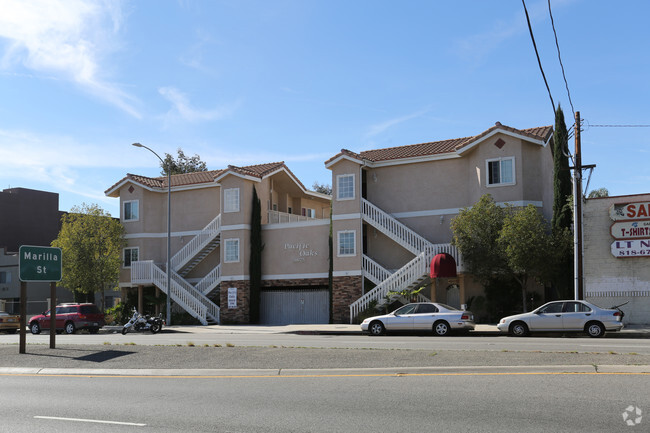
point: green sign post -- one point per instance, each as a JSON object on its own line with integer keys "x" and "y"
{"x": 38, "y": 264}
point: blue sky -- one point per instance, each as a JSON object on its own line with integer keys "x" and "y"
{"x": 245, "y": 82}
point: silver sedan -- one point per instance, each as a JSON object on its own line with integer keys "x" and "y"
{"x": 564, "y": 316}
{"x": 441, "y": 319}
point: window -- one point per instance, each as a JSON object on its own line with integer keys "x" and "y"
{"x": 131, "y": 211}
{"x": 131, "y": 255}
{"x": 427, "y": 309}
{"x": 575, "y": 307}
{"x": 555, "y": 307}
{"x": 231, "y": 200}
{"x": 5, "y": 277}
{"x": 345, "y": 187}
{"x": 347, "y": 243}
{"x": 501, "y": 171}
{"x": 231, "y": 250}
{"x": 311, "y": 213}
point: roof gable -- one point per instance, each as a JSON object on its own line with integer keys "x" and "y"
{"x": 440, "y": 149}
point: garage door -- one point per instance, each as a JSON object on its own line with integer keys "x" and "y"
{"x": 286, "y": 307}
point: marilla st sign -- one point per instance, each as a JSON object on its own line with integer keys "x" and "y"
{"x": 39, "y": 263}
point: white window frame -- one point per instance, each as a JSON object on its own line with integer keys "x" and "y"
{"x": 137, "y": 207}
{"x": 500, "y": 161}
{"x": 227, "y": 244}
{"x": 131, "y": 249}
{"x": 339, "y": 235}
{"x": 231, "y": 200}
{"x": 340, "y": 178}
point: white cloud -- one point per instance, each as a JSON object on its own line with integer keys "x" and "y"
{"x": 381, "y": 127}
{"x": 65, "y": 37}
{"x": 183, "y": 109}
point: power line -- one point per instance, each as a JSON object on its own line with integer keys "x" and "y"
{"x": 539, "y": 62}
{"x": 566, "y": 84}
{"x": 619, "y": 126}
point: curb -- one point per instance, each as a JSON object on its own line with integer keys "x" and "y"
{"x": 335, "y": 372}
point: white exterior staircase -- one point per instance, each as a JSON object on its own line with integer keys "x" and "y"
{"x": 192, "y": 299}
{"x": 410, "y": 276}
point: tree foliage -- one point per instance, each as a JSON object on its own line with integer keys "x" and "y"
{"x": 562, "y": 220}
{"x": 255, "y": 264}
{"x": 600, "y": 192}
{"x": 322, "y": 188}
{"x": 525, "y": 242}
{"x": 91, "y": 243}
{"x": 508, "y": 243}
{"x": 182, "y": 164}
{"x": 562, "y": 185}
{"x": 475, "y": 233}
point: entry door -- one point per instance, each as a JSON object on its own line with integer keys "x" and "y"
{"x": 453, "y": 296}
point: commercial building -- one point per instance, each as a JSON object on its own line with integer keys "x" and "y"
{"x": 27, "y": 217}
{"x": 616, "y": 254}
{"x": 390, "y": 218}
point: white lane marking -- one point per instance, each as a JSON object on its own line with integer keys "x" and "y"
{"x": 90, "y": 420}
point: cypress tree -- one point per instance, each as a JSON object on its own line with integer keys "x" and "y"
{"x": 562, "y": 220}
{"x": 255, "y": 264}
{"x": 562, "y": 185}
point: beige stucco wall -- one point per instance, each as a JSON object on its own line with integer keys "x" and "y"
{"x": 297, "y": 250}
{"x": 609, "y": 280}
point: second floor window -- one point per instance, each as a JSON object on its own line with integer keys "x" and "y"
{"x": 347, "y": 243}
{"x": 345, "y": 187}
{"x": 231, "y": 250}
{"x": 131, "y": 255}
{"x": 501, "y": 171}
{"x": 131, "y": 211}
{"x": 231, "y": 200}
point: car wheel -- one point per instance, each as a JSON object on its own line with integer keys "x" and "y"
{"x": 441, "y": 328}
{"x": 519, "y": 329}
{"x": 376, "y": 328}
{"x": 35, "y": 328}
{"x": 69, "y": 328}
{"x": 93, "y": 330}
{"x": 595, "y": 329}
{"x": 155, "y": 328}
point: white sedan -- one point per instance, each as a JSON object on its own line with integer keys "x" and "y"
{"x": 441, "y": 319}
{"x": 564, "y": 316}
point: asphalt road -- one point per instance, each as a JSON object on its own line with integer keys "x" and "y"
{"x": 444, "y": 402}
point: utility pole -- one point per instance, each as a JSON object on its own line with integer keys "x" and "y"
{"x": 577, "y": 216}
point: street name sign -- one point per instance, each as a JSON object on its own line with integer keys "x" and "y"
{"x": 39, "y": 263}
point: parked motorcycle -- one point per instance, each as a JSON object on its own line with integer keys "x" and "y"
{"x": 138, "y": 322}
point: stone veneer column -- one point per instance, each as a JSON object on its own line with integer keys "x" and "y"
{"x": 345, "y": 290}
{"x": 239, "y": 315}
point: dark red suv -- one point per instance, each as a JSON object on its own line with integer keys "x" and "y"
{"x": 70, "y": 318}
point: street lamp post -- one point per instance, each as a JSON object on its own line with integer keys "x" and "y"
{"x": 169, "y": 227}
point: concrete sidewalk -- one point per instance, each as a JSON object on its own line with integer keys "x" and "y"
{"x": 631, "y": 331}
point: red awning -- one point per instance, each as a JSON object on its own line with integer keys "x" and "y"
{"x": 443, "y": 266}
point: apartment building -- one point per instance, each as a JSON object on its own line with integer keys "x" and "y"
{"x": 392, "y": 208}
{"x": 391, "y": 213}
{"x": 210, "y": 242}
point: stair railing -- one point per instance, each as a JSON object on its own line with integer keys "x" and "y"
{"x": 196, "y": 244}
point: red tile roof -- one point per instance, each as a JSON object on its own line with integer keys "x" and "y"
{"x": 205, "y": 177}
{"x": 440, "y": 147}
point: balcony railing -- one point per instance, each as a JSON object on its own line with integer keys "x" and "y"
{"x": 276, "y": 217}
